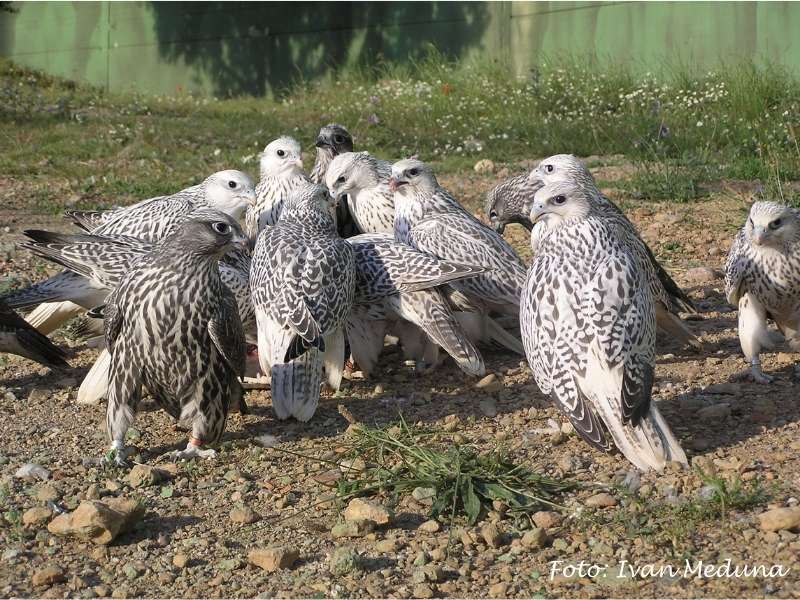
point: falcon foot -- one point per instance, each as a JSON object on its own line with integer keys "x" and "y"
{"x": 193, "y": 451}
{"x": 117, "y": 456}
{"x": 758, "y": 375}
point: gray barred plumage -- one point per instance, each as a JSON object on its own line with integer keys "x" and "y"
{"x": 364, "y": 180}
{"x": 333, "y": 140}
{"x": 588, "y": 325}
{"x": 281, "y": 172}
{"x": 66, "y": 294}
{"x": 395, "y": 283}
{"x": 18, "y": 337}
{"x": 172, "y": 326}
{"x": 762, "y": 278}
{"x": 511, "y": 202}
{"x": 302, "y": 281}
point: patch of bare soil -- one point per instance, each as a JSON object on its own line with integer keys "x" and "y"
{"x": 188, "y": 544}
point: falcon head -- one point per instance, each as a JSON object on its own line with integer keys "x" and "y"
{"x": 335, "y": 139}
{"x": 557, "y": 203}
{"x": 230, "y": 192}
{"x": 561, "y": 167}
{"x": 350, "y": 172}
{"x": 311, "y": 197}
{"x": 772, "y": 225}
{"x": 282, "y": 158}
{"x": 211, "y": 232}
{"x": 511, "y": 202}
{"x": 412, "y": 175}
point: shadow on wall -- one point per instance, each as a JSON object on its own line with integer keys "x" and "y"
{"x": 260, "y": 48}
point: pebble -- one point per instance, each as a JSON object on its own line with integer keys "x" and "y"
{"x": 36, "y": 516}
{"x": 387, "y": 546}
{"x": 180, "y": 560}
{"x": 344, "y": 560}
{"x": 98, "y": 521}
{"x": 714, "y": 412}
{"x": 32, "y": 471}
{"x": 547, "y": 519}
{"x": 492, "y": 535}
{"x": 422, "y": 591}
{"x": 780, "y": 518}
{"x": 352, "y": 529}
{"x": 48, "y": 576}
{"x": 142, "y": 475}
{"x": 498, "y": 590}
{"x": 430, "y": 526}
{"x": 702, "y": 275}
{"x": 244, "y": 515}
{"x": 273, "y": 558}
{"x": 366, "y": 510}
{"x": 488, "y": 407}
{"x": 535, "y": 538}
{"x": 423, "y": 493}
{"x": 489, "y": 384}
{"x": 601, "y": 500}
{"x": 484, "y": 166}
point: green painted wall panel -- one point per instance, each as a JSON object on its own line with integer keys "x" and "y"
{"x": 256, "y": 48}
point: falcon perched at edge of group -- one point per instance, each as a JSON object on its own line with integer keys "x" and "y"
{"x": 173, "y": 327}
{"x": 67, "y": 295}
{"x": 333, "y": 140}
{"x": 588, "y": 324}
{"x": 364, "y": 180}
{"x": 302, "y": 279}
{"x": 762, "y": 278}
{"x": 511, "y": 201}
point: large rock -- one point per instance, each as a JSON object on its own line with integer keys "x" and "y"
{"x": 98, "y": 522}
{"x": 364, "y": 510}
{"x": 272, "y": 559}
{"x": 780, "y": 518}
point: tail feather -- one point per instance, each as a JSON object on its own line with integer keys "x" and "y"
{"x": 94, "y": 386}
{"x": 673, "y": 326}
{"x": 504, "y": 338}
{"x": 50, "y": 316}
{"x": 333, "y": 358}
{"x": 366, "y": 341}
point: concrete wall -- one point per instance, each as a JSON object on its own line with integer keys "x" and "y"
{"x": 230, "y": 48}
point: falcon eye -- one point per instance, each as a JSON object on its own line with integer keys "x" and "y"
{"x": 413, "y": 172}
{"x": 221, "y": 228}
{"x": 560, "y": 199}
{"x": 281, "y": 153}
{"x": 549, "y": 168}
{"x": 338, "y": 139}
{"x": 340, "y": 179}
{"x": 775, "y": 224}
{"x": 232, "y": 185}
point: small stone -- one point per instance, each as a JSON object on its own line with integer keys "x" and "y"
{"x": 602, "y": 500}
{"x": 491, "y": 534}
{"x": 702, "y": 275}
{"x": 547, "y": 519}
{"x": 423, "y": 493}
{"x": 48, "y": 576}
{"x": 36, "y": 516}
{"x": 32, "y": 471}
{"x": 38, "y": 395}
{"x": 535, "y": 538}
{"x": 422, "y": 591}
{"x": 498, "y": 590}
{"x": 344, "y": 560}
{"x": 92, "y": 492}
{"x": 365, "y": 510}
{"x": 102, "y": 591}
{"x": 120, "y": 593}
{"x": 421, "y": 559}
{"x": 430, "y": 526}
{"x": 230, "y": 564}
{"x": 131, "y": 571}
{"x": 430, "y": 573}
{"x": 273, "y": 558}
{"x": 780, "y": 518}
{"x": 328, "y": 478}
{"x": 387, "y": 546}
{"x": 48, "y": 493}
{"x": 484, "y": 166}
{"x": 489, "y": 384}
{"x": 180, "y": 560}
{"x": 488, "y": 407}
{"x": 244, "y": 515}
{"x": 352, "y": 529}
{"x": 560, "y": 545}
{"x": 142, "y": 475}
{"x": 714, "y": 412}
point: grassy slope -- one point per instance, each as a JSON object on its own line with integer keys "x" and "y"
{"x": 679, "y": 129}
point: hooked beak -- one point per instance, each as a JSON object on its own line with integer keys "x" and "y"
{"x": 322, "y": 142}
{"x": 759, "y": 235}
{"x": 395, "y": 183}
{"x": 299, "y": 163}
{"x": 241, "y": 242}
{"x": 249, "y": 197}
{"x": 538, "y": 212}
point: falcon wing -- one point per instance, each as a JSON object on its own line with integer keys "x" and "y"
{"x": 227, "y": 334}
{"x": 735, "y": 269}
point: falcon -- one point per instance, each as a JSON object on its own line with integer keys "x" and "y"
{"x": 510, "y": 202}
{"x": 395, "y": 283}
{"x": 588, "y": 325}
{"x": 302, "y": 281}
{"x": 67, "y": 295}
{"x": 17, "y": 336}
{"x": 332, "y": 141}
{"x": 104, "y": 260}
{"x": 364, "y": 180}
{"x": 281, "y": 172}
{"x": 762, "y": 278}
{"x": 430, "y": 220}
{"x": 172, "y": 326}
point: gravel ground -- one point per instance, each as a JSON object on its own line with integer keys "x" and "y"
{"x": 203, "y": 519}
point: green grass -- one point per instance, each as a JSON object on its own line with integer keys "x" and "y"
{"x": 682, "y": 128}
